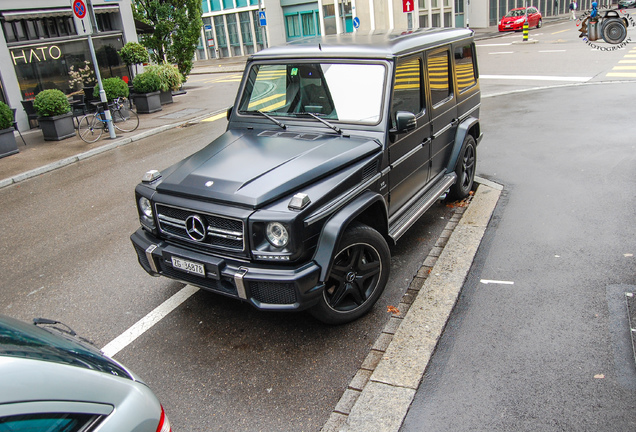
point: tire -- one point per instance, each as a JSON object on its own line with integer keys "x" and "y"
{"x": 539, "y": 23}
{"x": 465, "y": 170}
{"x": 90, "y": 128}
{"x": 125, "y": 119}
{"x": 613, "y": 31}
{"x": 359, "y": 273}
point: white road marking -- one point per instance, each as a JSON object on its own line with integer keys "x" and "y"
{"x": 140, "y": 327}
{"x": 495, "y": 44}
{"x": 535, "y": 78}
{"x": 496, "y": 282}
{"x": 502, "y": 52}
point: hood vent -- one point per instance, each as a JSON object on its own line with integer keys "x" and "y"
{"x": 370, "y": 170}
{"x": 293, "y": 135}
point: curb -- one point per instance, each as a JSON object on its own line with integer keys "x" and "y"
{"x": 380, "y": 394}
{"x": 101, "y": 149}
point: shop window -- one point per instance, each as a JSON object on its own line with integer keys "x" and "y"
{"x": 448, "y": 19}
{"x": 423, "y": 21}
{"x": 105, "y": 21}
{"x": 293, "y": 28}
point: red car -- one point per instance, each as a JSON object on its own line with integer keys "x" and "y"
{"x": 514, "y": 19}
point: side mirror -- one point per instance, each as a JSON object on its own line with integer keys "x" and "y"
{"x": 229, "y": 113}
{"x": 405, "y": 122}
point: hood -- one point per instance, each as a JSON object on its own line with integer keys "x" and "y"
{"x": 256, "y": 167}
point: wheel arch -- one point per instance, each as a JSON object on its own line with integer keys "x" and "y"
{"x": 470, "y": 126}
{"x": 368, "y": 208}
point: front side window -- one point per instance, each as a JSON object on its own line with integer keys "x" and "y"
{"x": 407, "y": 92}
{"x": 324, "y": 89}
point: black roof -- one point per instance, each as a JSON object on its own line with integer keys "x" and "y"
{"x": 376, "y": 44}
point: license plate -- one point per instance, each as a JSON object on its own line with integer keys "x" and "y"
{"x": 188, "y": 266}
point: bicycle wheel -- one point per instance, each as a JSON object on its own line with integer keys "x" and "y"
{"x": 125, "y": 119}
{"x": 90, "y": 128}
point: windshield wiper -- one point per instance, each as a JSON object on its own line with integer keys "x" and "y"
{"x": 269, "y": 117}
{"x": 323, "y": 121}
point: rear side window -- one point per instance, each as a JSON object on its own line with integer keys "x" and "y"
{"x": 51, "y": 422}
{"x": 465, "y": 67}
{"x": 407, "y": 92}
{"x": 439, "y": 76}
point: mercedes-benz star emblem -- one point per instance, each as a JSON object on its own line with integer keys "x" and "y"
{"x": 195, "y": 228}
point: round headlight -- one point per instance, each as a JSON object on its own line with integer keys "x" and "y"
{"x": 277, "y": 234}
{"x": 145, "y": 206}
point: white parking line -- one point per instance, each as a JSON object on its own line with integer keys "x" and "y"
{"x": 496, "y": 282}
{"x": 140, "y": 327}
{"x": 535, "y": 78}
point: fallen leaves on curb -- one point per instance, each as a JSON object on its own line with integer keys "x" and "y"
{"x": 393, "y": 310}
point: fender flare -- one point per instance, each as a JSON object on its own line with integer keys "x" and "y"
{"x": 335, "y": 227}
{"x": 460, "y": 135}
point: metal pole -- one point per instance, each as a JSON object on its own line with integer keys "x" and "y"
{"x": 102, "y": 93}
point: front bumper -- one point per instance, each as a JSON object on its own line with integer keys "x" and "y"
{"x": 264, "y": 287}
{"x": 510, "y": 27}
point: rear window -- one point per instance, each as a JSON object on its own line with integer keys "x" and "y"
{"x": 465, "y": 67}
{"x": 55, "y": 422}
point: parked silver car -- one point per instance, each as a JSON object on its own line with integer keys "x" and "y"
{"x": 51, "y": 380}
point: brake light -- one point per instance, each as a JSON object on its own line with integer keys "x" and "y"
{"x": 164, "y": 423}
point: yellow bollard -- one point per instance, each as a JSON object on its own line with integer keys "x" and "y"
{"x": 525, "y": 31}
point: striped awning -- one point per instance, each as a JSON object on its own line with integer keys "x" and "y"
{"x": 35, "y": 13}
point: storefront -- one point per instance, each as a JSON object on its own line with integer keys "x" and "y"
{"x": 43, "y": 49}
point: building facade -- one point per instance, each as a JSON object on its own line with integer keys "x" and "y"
{"x": 44, "y": 45}
{"x": 233, "y": 27}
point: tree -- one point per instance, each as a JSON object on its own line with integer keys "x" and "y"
{"x": 177, "y": 25}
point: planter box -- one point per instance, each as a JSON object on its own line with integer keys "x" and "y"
{"x": 166, "y": 97}
{"x": 8, "y": 145}
{"x": 147, "y": 103}
{"x": 57, "y": 128}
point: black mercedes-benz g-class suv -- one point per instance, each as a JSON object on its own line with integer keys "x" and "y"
{"x": 334, "y": 147}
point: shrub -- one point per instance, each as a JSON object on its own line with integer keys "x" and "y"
{"x": 146, "y": 82}
{"x": 168, "y": 75}
{"x": 51, "y": 102}
{"x": 134, "y": 53}
{"x": 6, "y": 116}
{"x": 114, "y": 88}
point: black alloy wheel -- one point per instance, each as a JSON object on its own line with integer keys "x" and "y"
{"x": 359, "y": 273}
{"x": 465, "y": 170}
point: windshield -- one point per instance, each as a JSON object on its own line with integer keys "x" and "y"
{"x": 345, "y": 92}
{"x": 516, "y": 13}
{"x": 18, "y": 339}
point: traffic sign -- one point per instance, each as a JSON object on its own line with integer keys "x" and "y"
{"x": 407, "y": 5}
{"x": 356, "y": 22}
{"x": 79, "y": 9}
{"x": 261, "y": 18}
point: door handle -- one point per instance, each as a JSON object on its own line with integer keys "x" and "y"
{"x": 426, "y": 142}
{"x": 455, "y": 122}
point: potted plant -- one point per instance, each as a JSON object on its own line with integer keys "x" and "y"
{"x": 146, "y": 86}
{"x": 133, "y": 53}
{"x": 55, "y": 116}
{"x": 8, "y": 145}
{"x": 170, "y": 80}
{"x": 114, "y": 88}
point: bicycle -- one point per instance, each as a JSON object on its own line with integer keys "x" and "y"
{"x": 91, "y": 126}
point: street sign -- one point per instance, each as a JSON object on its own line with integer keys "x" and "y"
{"x": 407, "y": 5}
{"x": 356, "y": 22}
{"x": 79, "y": 9}
{"x": 261, "y": 18}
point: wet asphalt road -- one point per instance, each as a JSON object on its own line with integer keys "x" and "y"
{"x": 551, "y": 352}
{"x": 215, "y": 364}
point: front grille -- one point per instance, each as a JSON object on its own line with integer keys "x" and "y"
{"x": 220, "y": 232}
{"x": 273, "y": 292}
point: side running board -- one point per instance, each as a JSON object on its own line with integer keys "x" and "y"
{"x": 419, "y": 205}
